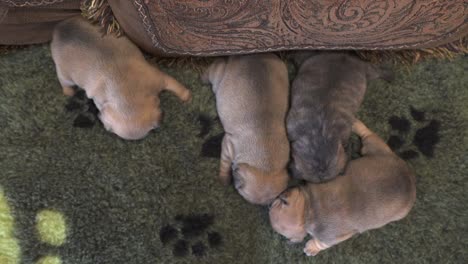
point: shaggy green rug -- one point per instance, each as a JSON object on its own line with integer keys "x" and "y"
{"x": 72, "y": 193}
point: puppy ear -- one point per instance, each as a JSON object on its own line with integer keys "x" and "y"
{"x": 243, "y": 173}
{"x": 244, "y": 168}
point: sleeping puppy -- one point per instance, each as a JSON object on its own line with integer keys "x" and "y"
{"x": 377, "y": 188}
{"x": 252, "y": 100}
{"x": 114, "y": 73}
{"x": 325, "y": 95}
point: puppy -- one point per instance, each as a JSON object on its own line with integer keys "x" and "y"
{"x": 377, "y": 188}
{"x": 114, "y": 73}
{"x": 252, "y": 100}
{"x": 325, "y": 95}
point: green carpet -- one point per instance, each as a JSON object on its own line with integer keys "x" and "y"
{"x": 82, "y": 195}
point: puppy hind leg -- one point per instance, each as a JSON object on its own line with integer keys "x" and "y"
{"x": 177, "y": 88}
{"x": 216, "y": 68}
{"x": 371, "y": 143}
{"x": 314, "y": 246}
{"x": 225, "y": 162}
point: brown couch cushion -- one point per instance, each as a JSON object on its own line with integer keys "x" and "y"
{"x": 221, "y": 27}
{"x": 215, "y": 27}
{"x": 31, "y": 22}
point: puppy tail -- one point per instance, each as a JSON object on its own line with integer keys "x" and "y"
{"x": 384, "y": 72}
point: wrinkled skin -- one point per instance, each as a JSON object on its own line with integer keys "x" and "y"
{"x": 325, "y": 95}
{"x": 252, "y": 100}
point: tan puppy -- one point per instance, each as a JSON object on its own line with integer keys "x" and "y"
{"x": 377, "y": 188}
{"x": 252, "y": 101}
{"x": 114, "y": 73}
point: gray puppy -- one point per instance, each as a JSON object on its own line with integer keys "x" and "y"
{"x": 114, "y": 73}
{"x": 325, "y": 95}
{"x": 252, "y": 102}
{"x": 377, "y": 189}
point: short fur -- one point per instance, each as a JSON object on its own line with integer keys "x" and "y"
{"x": 252, "y": 101}
{"x": 114, "y": 73}
{"x": 325, "y": 95}
{"x": 375, "y": 190}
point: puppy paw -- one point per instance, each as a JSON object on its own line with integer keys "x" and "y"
{"x": 311, "y": 252}
{"x": 186, "y": 97}
{"x": 68, "y": 91}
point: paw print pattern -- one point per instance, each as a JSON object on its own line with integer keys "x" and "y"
{"x": 87, "y": 110}
{"x": 51, "y": 230}
{"x": 9, "y": 245}
{"x": 424, "y": 139}
{"x": 206, "y": 123}
{"x": 50, "y": 227}
{"x": 190, "y": 234}
{"x": 212, "y": 146}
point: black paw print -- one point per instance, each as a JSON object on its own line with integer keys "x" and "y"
{"x": 424, "y": 139}
{"x": 190, "y": 228}
{"x": 87, "y": 110}
{"x": 212, "y": 146}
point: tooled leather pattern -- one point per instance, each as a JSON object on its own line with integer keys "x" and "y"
{"x": 210, "y": 27}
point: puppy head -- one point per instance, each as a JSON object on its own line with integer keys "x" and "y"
{"x": 318, "y": 164}
{"x": 287, "y": 215}
{"x": 257, "y": 186}
{"x": 132, "y": 120}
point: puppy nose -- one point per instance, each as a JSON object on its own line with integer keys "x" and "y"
{"x": 322, "y": 168}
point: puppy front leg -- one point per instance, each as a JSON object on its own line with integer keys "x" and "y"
{"x": 177, "y": 88}
{"x": 67, "y": 85}
{"x": 225, "y": 162}
{"x": 371, "y": 143}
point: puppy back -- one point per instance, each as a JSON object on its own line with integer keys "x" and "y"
{"x": 77, "y": 31}
{"x": 386, "y": 189}
{"x": 373, "y": 192}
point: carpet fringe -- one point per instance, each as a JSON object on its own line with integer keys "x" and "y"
{"x": 448, "y": 51}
